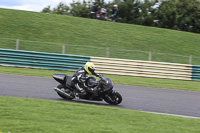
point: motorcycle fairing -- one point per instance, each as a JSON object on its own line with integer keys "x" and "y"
{"x": 61, "y": 78}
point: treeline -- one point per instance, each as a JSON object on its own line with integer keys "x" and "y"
{"x": 181, "y": 15}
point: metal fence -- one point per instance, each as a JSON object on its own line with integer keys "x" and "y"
{"x": 17, "y": 44}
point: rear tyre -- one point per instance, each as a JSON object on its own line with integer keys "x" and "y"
{"x": 61, "y": 87}
{"x": 114, "y": 98}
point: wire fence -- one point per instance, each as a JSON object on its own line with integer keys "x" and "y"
{"x": 8, "y": 43}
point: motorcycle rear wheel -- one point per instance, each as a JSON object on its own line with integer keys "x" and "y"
{"x": 61, "y": 87}
{"x": 114, "y": 99}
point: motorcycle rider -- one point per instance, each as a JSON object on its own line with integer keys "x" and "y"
{"x": 79, "y": 78}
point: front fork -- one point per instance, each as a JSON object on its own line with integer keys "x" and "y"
{"x": 109, "y": 95}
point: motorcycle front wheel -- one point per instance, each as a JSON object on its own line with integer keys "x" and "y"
{"x": 113, "y": 99}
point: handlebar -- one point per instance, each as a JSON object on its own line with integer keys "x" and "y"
{"x": 100, "y": 76}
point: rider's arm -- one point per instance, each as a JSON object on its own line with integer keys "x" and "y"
{"x": 95, "y": 74}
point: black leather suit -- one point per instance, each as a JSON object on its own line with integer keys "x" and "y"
{"x": 79, "y": 78}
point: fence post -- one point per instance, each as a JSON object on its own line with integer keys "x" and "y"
{"x": 190, "y": 59}
{"x": 108, "y": 52}
{"x": 63, "y": 49}
{"x": 150, "y": 56}
{"x": 17, "y": 44}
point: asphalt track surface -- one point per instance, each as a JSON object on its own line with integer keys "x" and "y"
{"x": 148, "y": 99}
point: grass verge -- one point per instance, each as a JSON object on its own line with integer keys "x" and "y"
{"x": 21, "y": 115}
{"x": 139, "y": 81}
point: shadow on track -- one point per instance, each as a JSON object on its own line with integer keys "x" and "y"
{"x": 99, "y": 103}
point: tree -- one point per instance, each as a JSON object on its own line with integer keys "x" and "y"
{"x": 128, "y": 10}
{"x": 188, "y": 15}
{"x": 80, "y": 9}
{"x": 101, "y": 3}
{"x": 167, "y": 14}
{"x": 180, "y": 14}
{"x": 47, "y": 9}
{"x": 147, "y": 13}
{"x": 61, "y": 9}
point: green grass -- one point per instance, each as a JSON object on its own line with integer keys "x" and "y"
{"x": 74, "y": 31}
{"x": 21, "y": 115}
{"x": 128, "y": 80}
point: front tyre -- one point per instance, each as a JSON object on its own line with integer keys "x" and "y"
{"x": 113, "y": 99}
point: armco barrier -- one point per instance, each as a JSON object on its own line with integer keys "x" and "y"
{"x": 196, "y": 72}
{"x": 103, "y": 65}
{"x": 142, "y": 68}
{"x": 21, "y": 58}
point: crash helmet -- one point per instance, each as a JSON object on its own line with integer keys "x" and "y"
{"x": 89, "y": 67}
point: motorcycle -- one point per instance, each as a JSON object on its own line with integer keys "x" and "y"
{"x": 103, "y": 89}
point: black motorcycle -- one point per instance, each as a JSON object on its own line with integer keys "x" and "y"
{"x": 102, "y": 89}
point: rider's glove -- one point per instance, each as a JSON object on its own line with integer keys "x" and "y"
{"x": 99, "y": 75}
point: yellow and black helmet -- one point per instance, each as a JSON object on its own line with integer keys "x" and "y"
{"x": 89, "y": 67}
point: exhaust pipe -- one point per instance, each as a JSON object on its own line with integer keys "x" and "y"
{"x": 63, "y": 93}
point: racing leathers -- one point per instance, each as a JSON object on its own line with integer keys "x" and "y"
{"x": 78, "y": 81}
